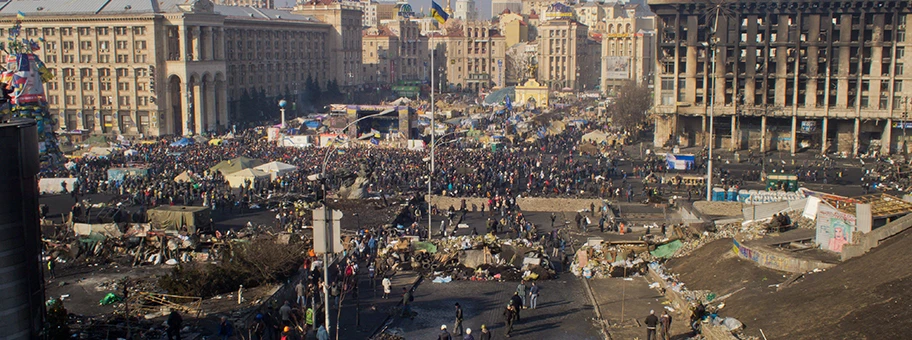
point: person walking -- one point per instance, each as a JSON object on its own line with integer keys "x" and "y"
{"x": 175, "y": 323}
{"x": 485, "y": 334}
{"x": 299, "y": 291}
{"x": 444, "y": 335}
{"x": 509, "y": 315}
{"x": 457, "y": 329}
{"x": 285, "y": 313}
{"x": 533, "y": 296}
{"x": 407, "y": 299}
{"x": 665, "y": 321}
{"x": 521, "y": 291}
{"x": 517, "y": 304}
{"x": 386, "y": 287}
{"x": 651, "y": 322}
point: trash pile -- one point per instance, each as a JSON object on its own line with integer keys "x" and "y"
{"x": 478, "y": 258}
{"x": 600, "y": 260}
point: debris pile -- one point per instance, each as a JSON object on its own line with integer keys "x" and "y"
{"x": 601, "y": 260}
{"x": 478, "y": 258}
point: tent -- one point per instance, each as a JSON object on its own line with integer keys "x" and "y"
{"x": 215, "y": 141}
{"x": 183, "y": 142}
{"x": 131, "y": 152}
{"x": 401, "y": 101}
{"x": 55, "y": 185}
{"x": 200, "y": 139}
{"x": 237, "y": 179}
{"x": 276, "y": 169}
{"x": 184, "y": 177}
{"x": 119, "y": 174}
{"x": 235, "y": 165}
{"x": 595, "y": 136}
{"x": 99, "y": 151}
{"x": 172, "y": 217}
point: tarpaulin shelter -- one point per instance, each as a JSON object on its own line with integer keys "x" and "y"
{"x": 235, "y": 165}
{"x": 183, "y": 142}
{"x": 595, "y": 136}
{"x": 172, "y": 217}
{"x": 131, "y": 152}
{"x": 54, "y": 185}
{"x": 215, "y": 141}
{"x": 200, "y": 139}
{"x": 276, "y": 169}
{"x": 237, "y": 179}
{"x": 183, "y": 177}
{"x": 118, "y": 174}
{"x": 99, "y": 151}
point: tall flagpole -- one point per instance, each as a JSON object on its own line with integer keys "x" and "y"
{"x": 433, "y": 141}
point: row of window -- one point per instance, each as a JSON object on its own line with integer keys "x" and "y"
{"x": 33, "y": 32}
{"x": 103, "y": 86}
{"x": 88, "y": 45}
{"x": 102, "y": 72}
{"x": 102, "y": 101}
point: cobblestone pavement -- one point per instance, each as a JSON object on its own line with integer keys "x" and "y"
{"x": 564, "y": 311}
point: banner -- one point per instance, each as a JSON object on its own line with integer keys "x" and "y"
{"x": 617, "y": 67}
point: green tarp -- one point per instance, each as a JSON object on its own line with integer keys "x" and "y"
{"x": 667, "y": 250}
{"x": 429, "y": 247}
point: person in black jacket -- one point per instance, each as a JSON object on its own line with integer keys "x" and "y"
{"x": 509, "y": 315}
{"x": 444, "y": 335}
{"x": 516, "y": 301}
{"x": 651, "y": 322}
{"x": 175, "y": 323}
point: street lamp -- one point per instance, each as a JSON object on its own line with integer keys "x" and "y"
{"x": 328, "y": 225}
{"x": 282, "y": 104}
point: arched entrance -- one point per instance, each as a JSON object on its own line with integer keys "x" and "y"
{"x": 174, "y": 97}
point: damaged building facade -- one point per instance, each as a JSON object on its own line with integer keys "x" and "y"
{"x": 817, "y": 76}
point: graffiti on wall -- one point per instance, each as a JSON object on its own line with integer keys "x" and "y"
{"x": 834, "y": 229}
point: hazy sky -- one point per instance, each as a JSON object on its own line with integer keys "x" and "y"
{"x": 483, "y": 6}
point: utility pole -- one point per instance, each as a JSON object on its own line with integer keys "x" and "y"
{"x": 433, "y": 141}
{"x": 712, "y": 104}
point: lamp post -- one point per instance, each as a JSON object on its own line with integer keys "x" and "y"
{"x": 328, "y": 224}
{"x": 712, "y": 104}
{"x": 282, "y": 104}
{"x": 433, "y": 140}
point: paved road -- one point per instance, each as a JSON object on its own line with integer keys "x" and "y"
{"x": 564, "y": 311}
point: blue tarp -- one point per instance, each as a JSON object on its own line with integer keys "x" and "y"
{"x": 313, "y": 124}
{"x": 183, "y": 142}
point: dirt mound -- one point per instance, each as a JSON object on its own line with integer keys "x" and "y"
{"x": 869, "y": 297}
{"x": 717, "y": 268}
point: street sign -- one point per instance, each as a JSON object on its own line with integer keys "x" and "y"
{"x": 327, "y": 240}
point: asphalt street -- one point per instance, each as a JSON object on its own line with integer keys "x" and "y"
{"x": 563, "y": 312}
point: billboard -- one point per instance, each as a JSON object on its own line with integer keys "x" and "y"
{"x": 617, "y": 67}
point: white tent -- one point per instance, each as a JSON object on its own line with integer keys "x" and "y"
{"x": 401, "y": 101}
{"x": 276, "y": 169}
{"x": 236, "y": 179}
{"x": 595, "y": 136}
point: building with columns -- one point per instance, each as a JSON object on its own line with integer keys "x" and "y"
{"x": 820, "y": 76}
{"x": 167, "y": 67}
{"x": 344, "y": 41}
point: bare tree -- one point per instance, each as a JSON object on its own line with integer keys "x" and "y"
{"x": 631, "y": 106}
{"x": 517, "y": 63}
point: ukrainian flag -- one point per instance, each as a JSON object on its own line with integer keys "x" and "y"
{"x": 438, "y": 13}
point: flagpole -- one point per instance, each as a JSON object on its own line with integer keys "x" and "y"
{"x": 433, "y": 141}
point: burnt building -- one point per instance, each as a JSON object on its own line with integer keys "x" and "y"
{"x": 820, "y": 76}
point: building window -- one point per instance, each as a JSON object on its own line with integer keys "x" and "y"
{"x": 85, "y": 58}
{"x": 52, "y": 100}
{"x": 71, "y": 100}
{"x": 139, "y": 58}
{"x": 105, "y": 86}
{"x": 51, "y": 86}
{"x": 85, "y": 45}
{"x": 142, "y": 101}
{"x": 105, "y": 100}
{"x": 122, "y": 59}
{"x": 898, "y": 86}
{"x": 66, "y": 31}
{"x": 67, "y": 45}
{"x": 122, "y": 72}
{"x": 123, "y": 86}
{"x": 139, "y": 30}
{"x": 104, "y": 72}
{"x": 88, "y": 86}
{"x": 68, "y": 72}
{"x": 70, "y": 86}
{"x": 104, "y": 58}
{"x": 85, "y": 31}
{"x": 104, "y": 45}
{"x": 121, "y": 44}
{"x": 88, "y": 100}
{"x": 123, "y": 100}
{"x": 140, "y": 45}
{"x": 120, "y": 30}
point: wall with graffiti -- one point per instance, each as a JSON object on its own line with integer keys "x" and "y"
{"x": 834, "y": 228}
